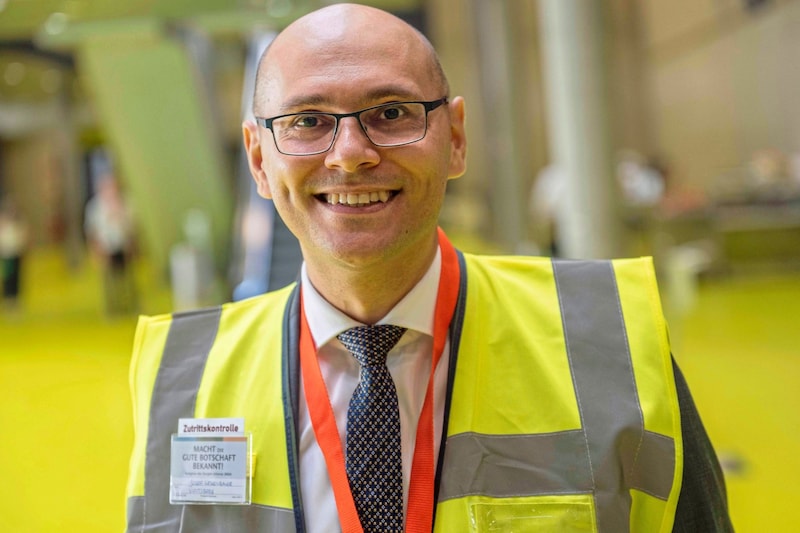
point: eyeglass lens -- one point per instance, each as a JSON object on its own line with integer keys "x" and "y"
{"x": 387, "y": 125}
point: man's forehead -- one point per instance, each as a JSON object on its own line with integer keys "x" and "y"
{"x": 352, "y": 46}
{"x": 352, "y": 50}
{"x": 347, "y": 28}
{"x": 309, "y": 75}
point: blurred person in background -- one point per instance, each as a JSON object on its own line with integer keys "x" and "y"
{"x": 108, "y": 225}
{"x": 402, "y": 385}
{"x": 13, "y": 242}
{"x": 641, "y": 182}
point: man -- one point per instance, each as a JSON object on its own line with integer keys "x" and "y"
{"x": 522, "y": 393}
{"x": 109, "y": 231}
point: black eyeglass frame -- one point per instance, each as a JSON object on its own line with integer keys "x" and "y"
{"x": 429, "y": 105}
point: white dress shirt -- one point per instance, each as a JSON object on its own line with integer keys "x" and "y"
{"x": 409, "y": 363}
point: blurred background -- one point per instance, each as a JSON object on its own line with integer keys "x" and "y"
{"x": 668, "y": 128}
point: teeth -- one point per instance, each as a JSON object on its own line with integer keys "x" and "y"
{"x": 363, "y": 198}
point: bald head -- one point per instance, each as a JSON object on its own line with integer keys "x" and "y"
{"x": 343, "y": 39}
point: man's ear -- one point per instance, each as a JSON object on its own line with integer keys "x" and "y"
{"x": 252, "y": 147}
{"x": 458, "y": 138}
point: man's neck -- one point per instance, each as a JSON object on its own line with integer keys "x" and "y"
{"x": 368, "y": 294}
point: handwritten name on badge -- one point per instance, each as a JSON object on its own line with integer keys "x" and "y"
{"x": 209, "y": 462}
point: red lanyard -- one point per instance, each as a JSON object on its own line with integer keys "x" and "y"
{"x": 423, "y": 468}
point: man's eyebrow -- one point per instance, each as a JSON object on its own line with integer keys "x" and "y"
{"x": 391, "y": 91}
{"x": 315, "y": 100}
{"x": 303, "y": 101}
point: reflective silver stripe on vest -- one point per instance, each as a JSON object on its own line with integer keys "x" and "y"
{"x": 189, "y": 341}
{"x": 490, "y": 465}
{"x": 218, "y": 519}
{"x": 554, "y": 463}
{"x": 602, "y": 458}
{"x": 602, "y": 372}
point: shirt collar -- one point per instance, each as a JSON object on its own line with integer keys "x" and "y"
{"x": 415, "y": 311}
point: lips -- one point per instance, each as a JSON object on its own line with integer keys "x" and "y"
{"x": 360, "y": 199}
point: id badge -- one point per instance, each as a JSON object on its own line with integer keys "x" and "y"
{"x": 210, "y": 462}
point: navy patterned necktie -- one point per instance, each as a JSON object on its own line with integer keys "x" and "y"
{"x": 374, "y": 461}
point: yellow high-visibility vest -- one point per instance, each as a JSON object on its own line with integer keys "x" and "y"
{"x": 562, "y": 412}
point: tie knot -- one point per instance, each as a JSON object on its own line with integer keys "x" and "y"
{"x": 370, "y": 344}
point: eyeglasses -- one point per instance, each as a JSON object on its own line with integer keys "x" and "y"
{"x": 311, "y": 133}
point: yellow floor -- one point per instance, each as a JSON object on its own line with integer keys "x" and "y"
{"x": 740, "y": 350}
{"x": 65, "y": 414}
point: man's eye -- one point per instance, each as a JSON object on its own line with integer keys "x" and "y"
{"x": 391, "y": 113}
{"x": 306, "y": 121}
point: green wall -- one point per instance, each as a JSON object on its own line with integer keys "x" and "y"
{"x": 150, "y": 103}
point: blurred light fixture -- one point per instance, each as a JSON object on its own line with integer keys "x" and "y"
{"x": 3, "y": 4}
{"x": 56, "y": 23}
{"x": 14, "y": 73}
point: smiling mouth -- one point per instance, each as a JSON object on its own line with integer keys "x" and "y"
{"x": 362, "y": 199}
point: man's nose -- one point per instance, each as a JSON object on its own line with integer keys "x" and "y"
{"x": 351, "y": 148}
